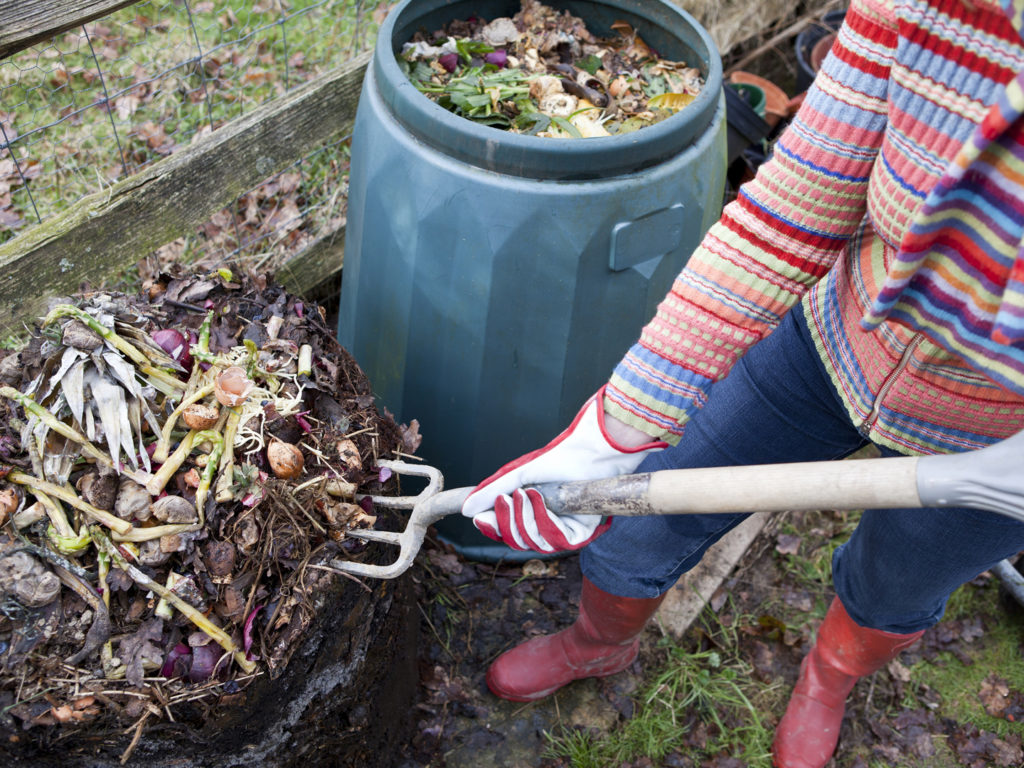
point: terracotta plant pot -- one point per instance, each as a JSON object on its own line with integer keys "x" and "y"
{"x": 776, "y": 105}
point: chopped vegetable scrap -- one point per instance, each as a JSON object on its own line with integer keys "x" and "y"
{"x": 543, "y": 73}
{"x": 176, "y": 473}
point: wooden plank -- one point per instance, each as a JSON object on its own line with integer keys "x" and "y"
{"x": 685, "y": 601}
{"x": 318, "y": 266}
{"x": 26, "y": 22}
{"x": 113, "y": 229}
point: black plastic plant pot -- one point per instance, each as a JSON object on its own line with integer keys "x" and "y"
{"x": 745, "y": 126}
{"x": 811, "y": 36}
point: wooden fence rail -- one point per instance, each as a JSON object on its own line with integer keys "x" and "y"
{"x": 109, "y": 231}
{"x": 26, "y": 22}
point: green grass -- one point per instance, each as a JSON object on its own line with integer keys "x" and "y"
{"x": 713, "y": 687}
{"x": 997, "y": 651}
{"x": 955, "y": 684}
{"x": 170, "y": 72}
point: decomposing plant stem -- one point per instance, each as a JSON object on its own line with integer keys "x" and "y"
{"x": 305, "y": 364}
{"x": 139, "y": 535}
{"x": 196, "y": 617}
{"x": 173, "y": 463}
{"x": 102, "y": 569}
{"x": 47, "y": 554}
{"x": 56, "y": 514}
{"x": 252, "y": 359}
{"x": 227, "y": 457}
{"x": 162, "y": 379}
{"x": 72, "y": 434}
{"x": 163, "y": 607}
{"x": 61, "y": 533}
{"x": 68, "y": 496}
{"x": 164, "y": 442}
{"x": 332, "y": 485}
{"x": 212, "y": 463}
{"x": 163, "y": 475}
{"x": 201, "y": 349}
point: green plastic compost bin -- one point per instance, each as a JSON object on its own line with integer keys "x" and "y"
{"x": 493, "y": 280}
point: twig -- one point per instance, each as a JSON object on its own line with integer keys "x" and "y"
{"x": 791, "y": 31}
{"x": 49, "y": 556}
{"x": 433, "y": 629}
{"x": 184, "y": 305}
{"x": 135, "y": 739}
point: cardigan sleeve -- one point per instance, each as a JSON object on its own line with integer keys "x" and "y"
{"x": 783, "y": 232}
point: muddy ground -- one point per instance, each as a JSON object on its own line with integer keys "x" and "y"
{"x": 774, "y": 600}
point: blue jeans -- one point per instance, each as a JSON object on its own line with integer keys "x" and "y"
{"x": 778, "y": 404}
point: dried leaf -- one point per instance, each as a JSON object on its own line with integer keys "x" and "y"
{"x": 67, "y": 360}
{"x": 994, "y": 695}
{"x": 899, "y": 671}
{"x": 123, "y": 371}
{"x": 141, "y": 647}
{"x": 73, "y": 387}
{"x": 108, "y": 403}
{"x": 671, "y": 101}
{"x": 799, "y": 599}
{"x": 411, "y": 437}
{"x": 448, "y": 563}
{"x": 788, "y": 544}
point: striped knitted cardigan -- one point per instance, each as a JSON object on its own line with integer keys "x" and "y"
{"x": 905, "y": 86}
{"x": 959, "y": 272}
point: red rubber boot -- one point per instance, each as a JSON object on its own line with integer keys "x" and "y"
{"x": 604, "y": 640}
{"x": 845, "y": 651}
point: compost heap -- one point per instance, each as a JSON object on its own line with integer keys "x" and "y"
{"x": 543, "y": 73}
{"x": 177, "y": 471}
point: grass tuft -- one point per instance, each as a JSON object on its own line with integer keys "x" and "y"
{"x": 705, "y": 703}
{"x": 997, "y": 651}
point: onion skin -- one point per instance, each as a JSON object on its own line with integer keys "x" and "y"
{"x": 247, "y": 636}
{"x": 175, "y": 344}
{"x": 450, "y": 61}
{"x": 8, "y": 504}
{"x": 177, "y": 662}
{"x": 204, "y": 662}
{"x": 285, "y": 459}
{"x": 498, "y": 58}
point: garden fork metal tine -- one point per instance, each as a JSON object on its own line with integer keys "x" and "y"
{"x": 368, "y": 534}
{"x": 428, "y": 506}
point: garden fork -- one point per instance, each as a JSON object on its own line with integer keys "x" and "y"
{"x": 991, "y": 479}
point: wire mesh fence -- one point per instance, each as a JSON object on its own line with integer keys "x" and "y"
{"x": 99, "y": 103}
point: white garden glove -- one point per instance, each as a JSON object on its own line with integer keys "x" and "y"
{"x": 502, "y": 510}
